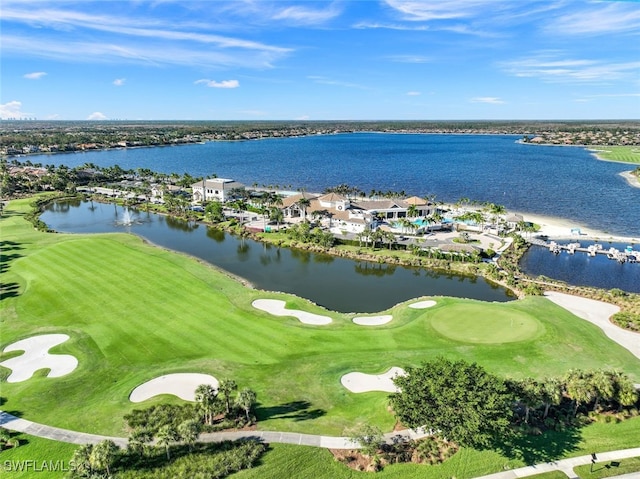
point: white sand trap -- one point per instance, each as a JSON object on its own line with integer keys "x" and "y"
{"x": 277, "y": 308}
{"x": 363, "y": 383}
{"x": 423, "y": 304}
{"x": 36, "y": 356}
{"x": 373, "y": 320}
{"x": 182, "y": 385}
{"x": 598, "y": 313}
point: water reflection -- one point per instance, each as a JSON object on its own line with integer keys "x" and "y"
{"x": 337, "y": 283}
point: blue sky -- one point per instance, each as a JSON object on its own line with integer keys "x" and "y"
{"x": 320, "y": 60}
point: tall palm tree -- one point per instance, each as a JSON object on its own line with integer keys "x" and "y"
{"x": 551, "y": 393}
{"x": 579, "y": 388}
{"x": 603, "y": 386}
{"x": 276, "y": 214}
{"x": 205, "y": 396}
{"x": 226, "y": 387}
{"x": 304, "y": 203}
{"x": 165, "y": 436}
{"x": 245, "y": 400}
{"x": 80, "y": 460}
{"x": 103, "y": 455}
{"x": 188, "y": 432}
{"x": 138, "y": 440}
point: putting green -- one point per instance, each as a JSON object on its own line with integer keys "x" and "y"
{"x": 485, "y": 323}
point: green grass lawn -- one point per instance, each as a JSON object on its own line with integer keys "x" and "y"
{"x": 36, "y": 457}
{"x": 135, "y": 312}
{"x": 609, "y": 468}
{"x": 624, "y": 154}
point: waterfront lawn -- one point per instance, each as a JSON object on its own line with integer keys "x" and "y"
{"x": 623, "y": 154}
{"x": 135, "y": 312}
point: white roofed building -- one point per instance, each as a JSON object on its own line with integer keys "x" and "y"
{"x": 215, "y": 189}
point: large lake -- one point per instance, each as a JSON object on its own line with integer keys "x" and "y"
{"x": 336, "y": 283}
{"x": 566, "y": 182}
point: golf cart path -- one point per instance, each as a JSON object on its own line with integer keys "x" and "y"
{"x": 9, "y": 421}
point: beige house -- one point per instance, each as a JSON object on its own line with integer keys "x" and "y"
{"x": 344, "y": 214}
{"x": 214, "y": 189}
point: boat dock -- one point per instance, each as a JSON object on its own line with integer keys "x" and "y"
{"x": 627, "y": 255}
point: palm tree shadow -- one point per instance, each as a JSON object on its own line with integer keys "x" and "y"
{"x": 294, "y": 410}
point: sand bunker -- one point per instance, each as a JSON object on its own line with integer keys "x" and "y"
{"x": 373, "y": 320}
{"x": 277, "y": 308}
{"x": 182, "y": 385}
{"x": 598, "y": 313}
{"x": 423, "y": 304}
{"x": 36, "y": 356}
{"x": 362, "y": 383}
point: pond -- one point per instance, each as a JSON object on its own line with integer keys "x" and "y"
{"x": 338, "y": 284}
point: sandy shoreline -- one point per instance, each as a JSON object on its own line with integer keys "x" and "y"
{"x": 632, "y": 179}
{"x": 560, "y": 228}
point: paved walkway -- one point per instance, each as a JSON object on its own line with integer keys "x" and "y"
{"x": 567, "y": 465}
{"x": 14, "y": 423}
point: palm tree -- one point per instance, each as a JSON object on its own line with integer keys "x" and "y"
{"x": 579, "y": 388}
{"x": 81, "y": 462}
{"x": 276, "y": 214}
{"x": 226, "y": 388}
{"x": 6, "y": 440}
{"x": 304, "y": 203}
{"x": 245, "y": 400}
{"x": 205, "y": 396}
{"x": 138, "y": 440}
{"x": 551, "y": 394}
{"x": 188, "y": 432}
{"x": 603, "y": 386}
{"x": 165, "y": 436}
{"x": 103, "y": 455}
{"x": 412, "y": 211}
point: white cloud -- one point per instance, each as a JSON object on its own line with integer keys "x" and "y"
{"x": 306, "y": 16}
{"x": 417, "y": 10}
{"x": 119, "y": 81}
{"x": 12, "y": 109}
{"x": 487, "y": 99}
{"x": 328, "y": 81}
{"x": 34, "y": 75}
{"x": 302, "y": 118}
{"x": 218, "y": 84}
{"x": 550, "y": 68}
{"x": 598, "y": 19}
{"x": 413, "y": 93}
{"x": 149, "y": 41}
{"x": 409, "y": 58}
{"x": 96, "y": 115}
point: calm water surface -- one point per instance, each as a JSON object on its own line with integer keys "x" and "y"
{"x": 336, "y": 283}
{"x": 566, "y": 182}
{"x": 581, "y": 269}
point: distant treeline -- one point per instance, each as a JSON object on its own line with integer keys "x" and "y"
{"x": 30, "y": 137}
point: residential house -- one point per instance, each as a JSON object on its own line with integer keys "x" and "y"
{"x": 215, "y": 189}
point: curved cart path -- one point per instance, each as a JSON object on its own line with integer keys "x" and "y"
{"x": 9, "y": 421}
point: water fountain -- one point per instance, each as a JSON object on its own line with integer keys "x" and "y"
{"x": 127, "y": 219}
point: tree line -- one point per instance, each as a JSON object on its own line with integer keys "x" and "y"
{"x": 163, "y": 439}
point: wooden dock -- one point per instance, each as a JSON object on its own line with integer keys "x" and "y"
{"x": 628, "y": 255}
